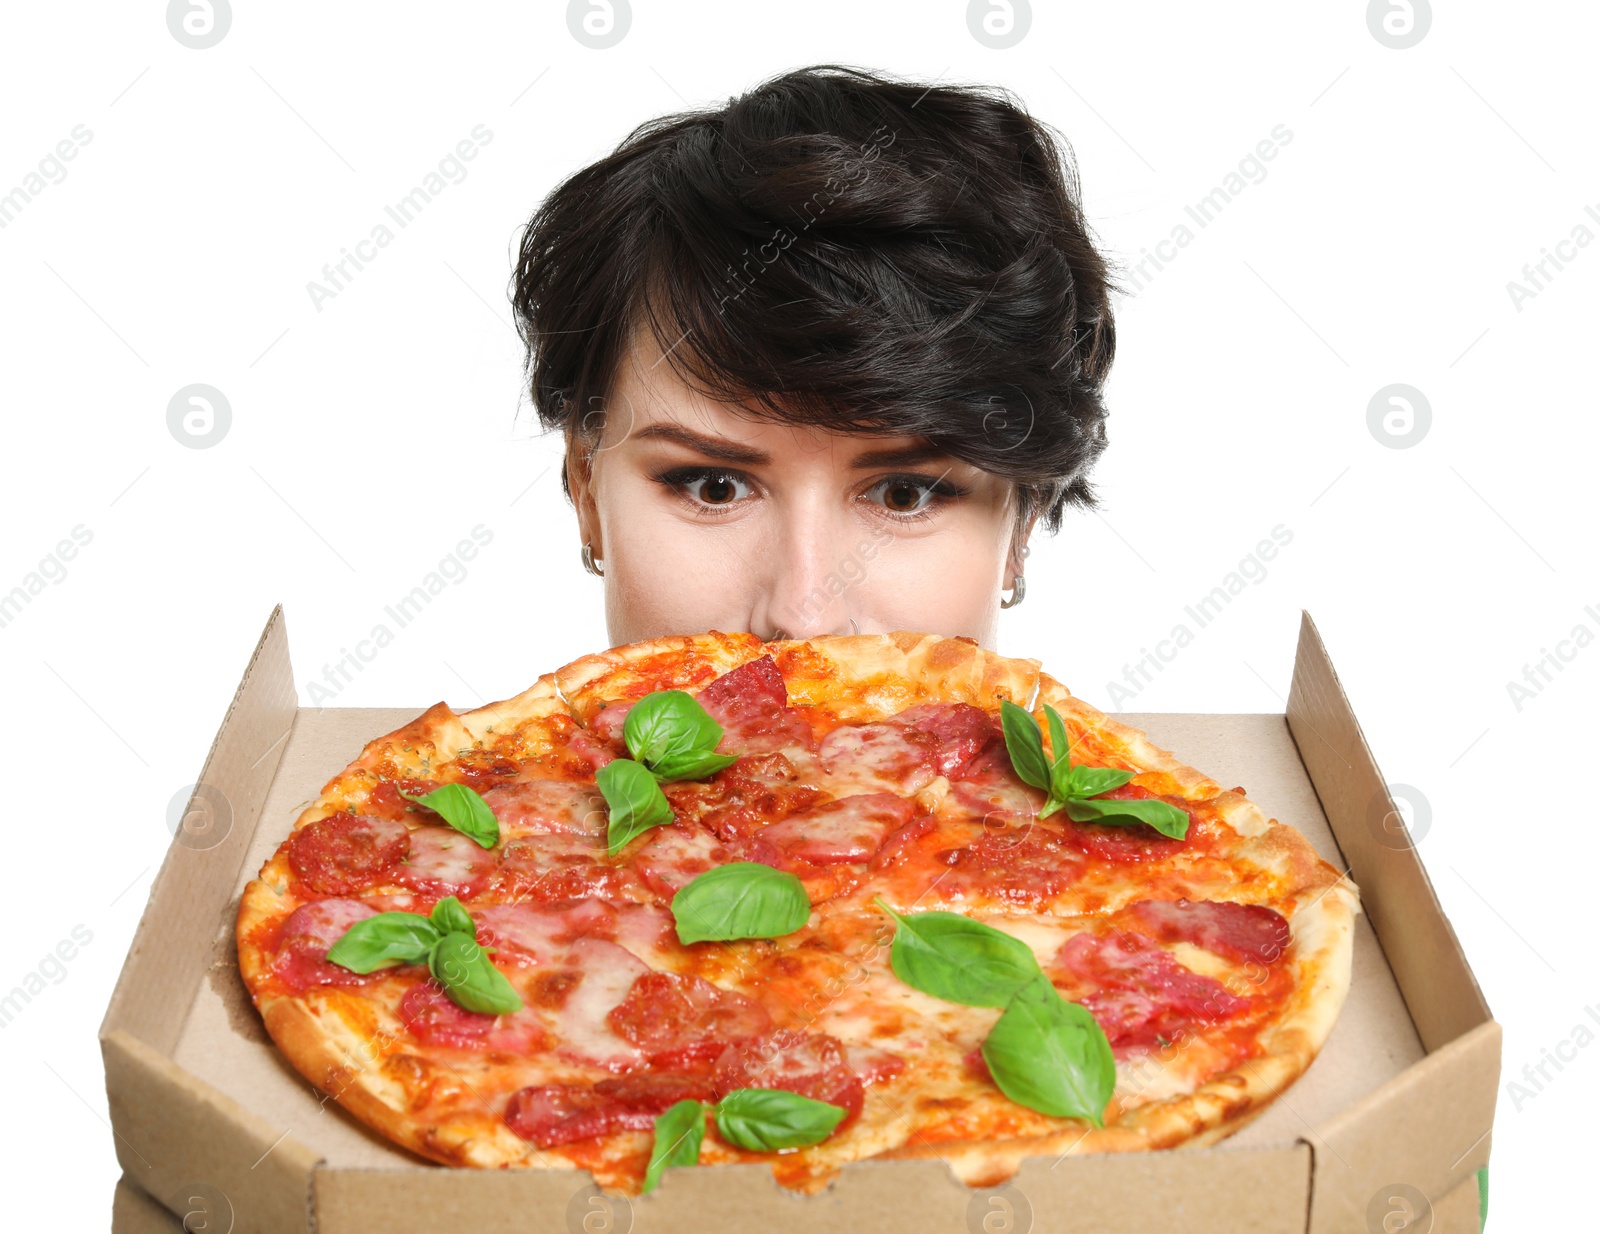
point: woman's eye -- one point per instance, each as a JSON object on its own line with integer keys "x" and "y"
{"x": 708, "y": 488}
{"x": 719, "y": 489}
{"x": 904, "y": 496}
{"x": 911, "y": 496}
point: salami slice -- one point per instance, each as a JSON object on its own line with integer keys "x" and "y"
{"x": 445, "y": 862}
{"x": 845, "y": 829}
{"x": 305, "y": 937}
{"x": 542, "y": 807}
{"x": 811, "y": 1064}
{"x": 880, "y": 756}
{"x": 961, "y": 730}
{"x": 676, "y": 854}
{"x": 433, "y": 1019}
{"x": 554, "y": 1114}
{"x": 346, "y": 853}
{"x": 1138, "y": 992}
{"x": 1236, "y": 931}
{"x": 582, "y": 1024}
{"x": 1026, "y": 866}
{"x": 545, "y": 869}
{"x": 1125, "y": 843}
{"x": 536, "y": 934}
{"x": 751, "y": 704}
{"x": 679, "y": 1020}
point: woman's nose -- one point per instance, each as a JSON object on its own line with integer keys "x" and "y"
{"x": 810, "y": 593}
{"x": 779, "y": 633}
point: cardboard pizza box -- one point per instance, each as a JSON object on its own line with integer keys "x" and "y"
{"x": 1385, "y": 1131}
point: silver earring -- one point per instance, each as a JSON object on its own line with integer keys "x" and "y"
{"x": 1019, "y": 588}
{"x": 589, "y": 562}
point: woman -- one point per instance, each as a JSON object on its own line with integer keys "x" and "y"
{"x": 822, "y": 357}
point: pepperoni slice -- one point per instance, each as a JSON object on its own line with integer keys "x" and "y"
{"x": 757, "y": 790}
{"x": 606, "y": 724}
{"x": 677, "y": 853}
{"x": 811, "y": 1064}
{"x": 552, "y": 1114}
{"x": 963, "y": 732}
{"x": 751, "y": 703}
{"x": 846, "y": 829}
{"x": 346, "y": 853}
{"x": 445, "y": 862}
{"x": 900, "y": 841}
{"x": 542, "y": 807}
{"x": 679, "y": 1020}
{"x": 994, "y": 797}
{"x": 584, "y": 754}
{"x": 544, "y": 869}
{"x": 532, "y": 934}
{"x": 655, "y": 1090}
{"x": 881, "y": 755}
{"x": 872, "y": 1065}
{"x": 647, "y": 930}
{"x": 305, "y": 937}
{"x": 1138, "y": 992}
{"x": 433, "y": 1019}
{"x": 1124, "y": 843}
{"x": 582, "y": 1024}
{"x": 1026, "y": 865}
{"x": 755, "y": 688}
{"x": 1235, "y": 931}
{"x": 385, "y": 801}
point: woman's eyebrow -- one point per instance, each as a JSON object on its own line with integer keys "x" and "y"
{"x": 729, "y": 451}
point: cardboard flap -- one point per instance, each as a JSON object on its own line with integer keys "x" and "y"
{"x": 172, "y": 949}
{"x": 134, "y": 1212}
{"x": 196, "y": 1149}
{"x": 1425, "y": 1132}
{"x": 1440, "y": 991}
{"x": 1251, "y": 1192}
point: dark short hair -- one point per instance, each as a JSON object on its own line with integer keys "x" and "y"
{"x": 840, "y": 249}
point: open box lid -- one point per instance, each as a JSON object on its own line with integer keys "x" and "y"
{"x": 1403, "y": 1093}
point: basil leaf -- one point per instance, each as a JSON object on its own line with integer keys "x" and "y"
{"x": 635, "y": 799}
{"x": 1051, "y": 1055}
{"x": 384, "y": 941}
{"x": 766, "y": 1119}
{"x": 692, "y": 766}
{"x": 957, "y": 959}
{"x": 1025, "y": 744}
{"x": 674, "y": 736}
{"x": 1060, "y": 752}
{"x": 464, "y": 810}
{"x": 1169, "y": 820}
{"x": 469, "y": 977}
{"x": 742, "y": 899}
{"x": 448, "y": 915}
{"x": 679, "y": 1132}
{"x": 1092, "y": 781}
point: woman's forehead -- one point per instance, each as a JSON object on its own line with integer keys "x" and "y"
{"x": 746, "y": 440}
{"x": 651, "y": 404}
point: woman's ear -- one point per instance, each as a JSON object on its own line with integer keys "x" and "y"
{"x": 580, "y": 484}
{"x": 1019, "y": 548}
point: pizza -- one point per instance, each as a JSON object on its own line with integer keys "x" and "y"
{"x": 707, "y": 899}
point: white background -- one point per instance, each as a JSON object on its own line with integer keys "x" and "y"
{"x": 369, "y": 437}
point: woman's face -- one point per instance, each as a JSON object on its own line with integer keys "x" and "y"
{"x": 705, "y": 517}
